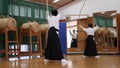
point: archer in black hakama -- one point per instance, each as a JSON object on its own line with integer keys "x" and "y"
{"x": 74, "y": 42}
{"x": 90, "y": 49}
{"x": 53, "y": 49}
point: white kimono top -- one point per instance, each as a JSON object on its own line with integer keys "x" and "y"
{"x": 90, "y": 31}
{"x": 54, "y": 21}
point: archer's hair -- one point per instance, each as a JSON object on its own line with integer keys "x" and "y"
{"x": 90, "y": 25}
{"x": 54, "y": 12}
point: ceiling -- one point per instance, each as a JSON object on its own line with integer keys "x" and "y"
{"x": 56, "y": 5}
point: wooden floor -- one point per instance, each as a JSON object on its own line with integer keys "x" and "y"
{"x": 75, "y": 61}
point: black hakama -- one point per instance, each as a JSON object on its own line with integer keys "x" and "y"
{"x": 74, "y": 42}
{"x": 53, "y": 49}
{"x": 90, "y": 48}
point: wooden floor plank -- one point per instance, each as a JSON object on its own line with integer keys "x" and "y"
{"x": 75, "y": 61}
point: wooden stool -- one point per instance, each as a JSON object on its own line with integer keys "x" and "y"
{"x": 29, "y": 33}
{"x": 9, "y": 50}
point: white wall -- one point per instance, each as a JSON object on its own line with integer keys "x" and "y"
{"x": 90, "y": 7}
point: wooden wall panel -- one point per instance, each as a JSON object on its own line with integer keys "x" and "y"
{"x": 118, "y": 26}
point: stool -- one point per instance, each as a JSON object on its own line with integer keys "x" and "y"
{"x": 8, "y": 49}
{"x": 29, "y": 33}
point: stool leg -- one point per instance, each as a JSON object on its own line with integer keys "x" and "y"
{"x": 20, "y": 43}
{"x": 40, "y": 43}
{"x": 18, "y": 51}
{"x": 6, "y": 44}
{"x": 46, "y": 37}
{"x": 30, "y": 43}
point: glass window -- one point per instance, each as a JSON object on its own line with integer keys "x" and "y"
{"x": 10, "y": 9}
{"x": 36, "y": 13}
{"x": 16, "y": 10}
{"x": 41, "y": 14}
{"x": 22, "y": 9}
{"x": 29, "y": 12}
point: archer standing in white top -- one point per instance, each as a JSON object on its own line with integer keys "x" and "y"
{"x": 90, "y": 48}
{"x": 74, "y": 38}
{"x": 53, "y": 20}
{"x": 53, "y": 49}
